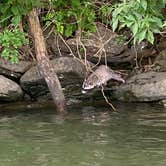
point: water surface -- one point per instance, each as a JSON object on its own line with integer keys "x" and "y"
{"x": 135, "y": 135}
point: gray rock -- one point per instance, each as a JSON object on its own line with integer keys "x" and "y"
{"x": 150, "y": 86}
{"x": 9, "y": 90}
{"x": 160, "y": 62}
{"x": 99, "y": 45}
{"x": 70, "y": 72}
{"x": 113, "y": 44}
{"x": 13, "y": 70}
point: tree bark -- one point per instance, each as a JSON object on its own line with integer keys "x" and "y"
{"x": 44, "y": 65}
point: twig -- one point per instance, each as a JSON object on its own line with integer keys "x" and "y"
{"x": 106, "y": 99}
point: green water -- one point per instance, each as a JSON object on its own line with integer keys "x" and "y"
{"x": 88, "y": 136}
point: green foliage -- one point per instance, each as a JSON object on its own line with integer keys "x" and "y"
{"x": 164, "y": 25}
{"x": 11, "y": 41}
{"x": 68, "y": 16}
{"x": 12, "y": 11}
{"x": 105, "y": 12}
{"x": 11, "y": 38}
{"x": 142, "y": 17}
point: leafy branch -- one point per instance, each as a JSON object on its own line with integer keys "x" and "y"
{"x": 142, "y": 17}
{"x": 11, "y": 41}
{"x": 70, "y": 16}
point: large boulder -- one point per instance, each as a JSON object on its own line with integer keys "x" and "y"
{"x": 9, "y": 90}
{"x": 13, "y": 70}
{"x": 150, "y": 86}
{"x": 99, "y": 45}
{"x": 70, "y": 72}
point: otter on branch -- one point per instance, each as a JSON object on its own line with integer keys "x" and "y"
{"x": 100, "y": 77}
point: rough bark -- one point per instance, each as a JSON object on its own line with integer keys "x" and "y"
{"x": 45, "y": 67}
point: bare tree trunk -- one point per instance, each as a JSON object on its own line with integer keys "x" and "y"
{"x": 44, "y": 64}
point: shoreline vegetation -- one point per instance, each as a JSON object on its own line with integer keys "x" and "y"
{"x": 78, "y": 36}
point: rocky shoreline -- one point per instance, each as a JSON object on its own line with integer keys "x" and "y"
{"x": 27, "y": 84}
{"x": 22, "y": 81}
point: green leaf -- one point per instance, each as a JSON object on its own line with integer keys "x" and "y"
{"x": 75, "y": 3}
{"x": 114, "y": 24}
{"x": 14, "y": 59}
{"x": 70, "y": 13}
{"x": 164, "y": 24}
{"x": 134, "y": 28}
{"x": 5, "y": 53}
{"x": 150, "y": 37}
{"x": 4, "y": 8}
{"x": 14, "y": 56}
{"x": 129, "y": 23}
{"x": 6, "y": 37}
{"x": 142, "y": 35}
{"x": 15, "y": 10}
{"x": 122, "y": 25}
{"x": 144, "y": 4}
{"x": 16, "y": 20}
{"x": 156, "y": 20}
{"x": 117, "y": 10}
{"x": 69, "y": 30}
{"x": 130, "y": 17}
{"x": 60, "y": 27}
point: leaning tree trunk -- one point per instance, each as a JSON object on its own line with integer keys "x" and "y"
{"x": 44, "y": 65}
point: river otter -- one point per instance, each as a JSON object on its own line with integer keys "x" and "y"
{"x": 100, "y": 77}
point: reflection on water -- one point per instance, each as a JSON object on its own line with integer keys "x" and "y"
{"x": 88, "y": 136}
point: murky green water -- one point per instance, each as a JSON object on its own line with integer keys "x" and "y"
{"x": 88, "y": 136}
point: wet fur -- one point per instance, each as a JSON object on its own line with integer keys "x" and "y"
{"x": 100, "y": 77}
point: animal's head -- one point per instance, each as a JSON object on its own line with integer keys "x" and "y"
{"x": 89, "y": 84}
